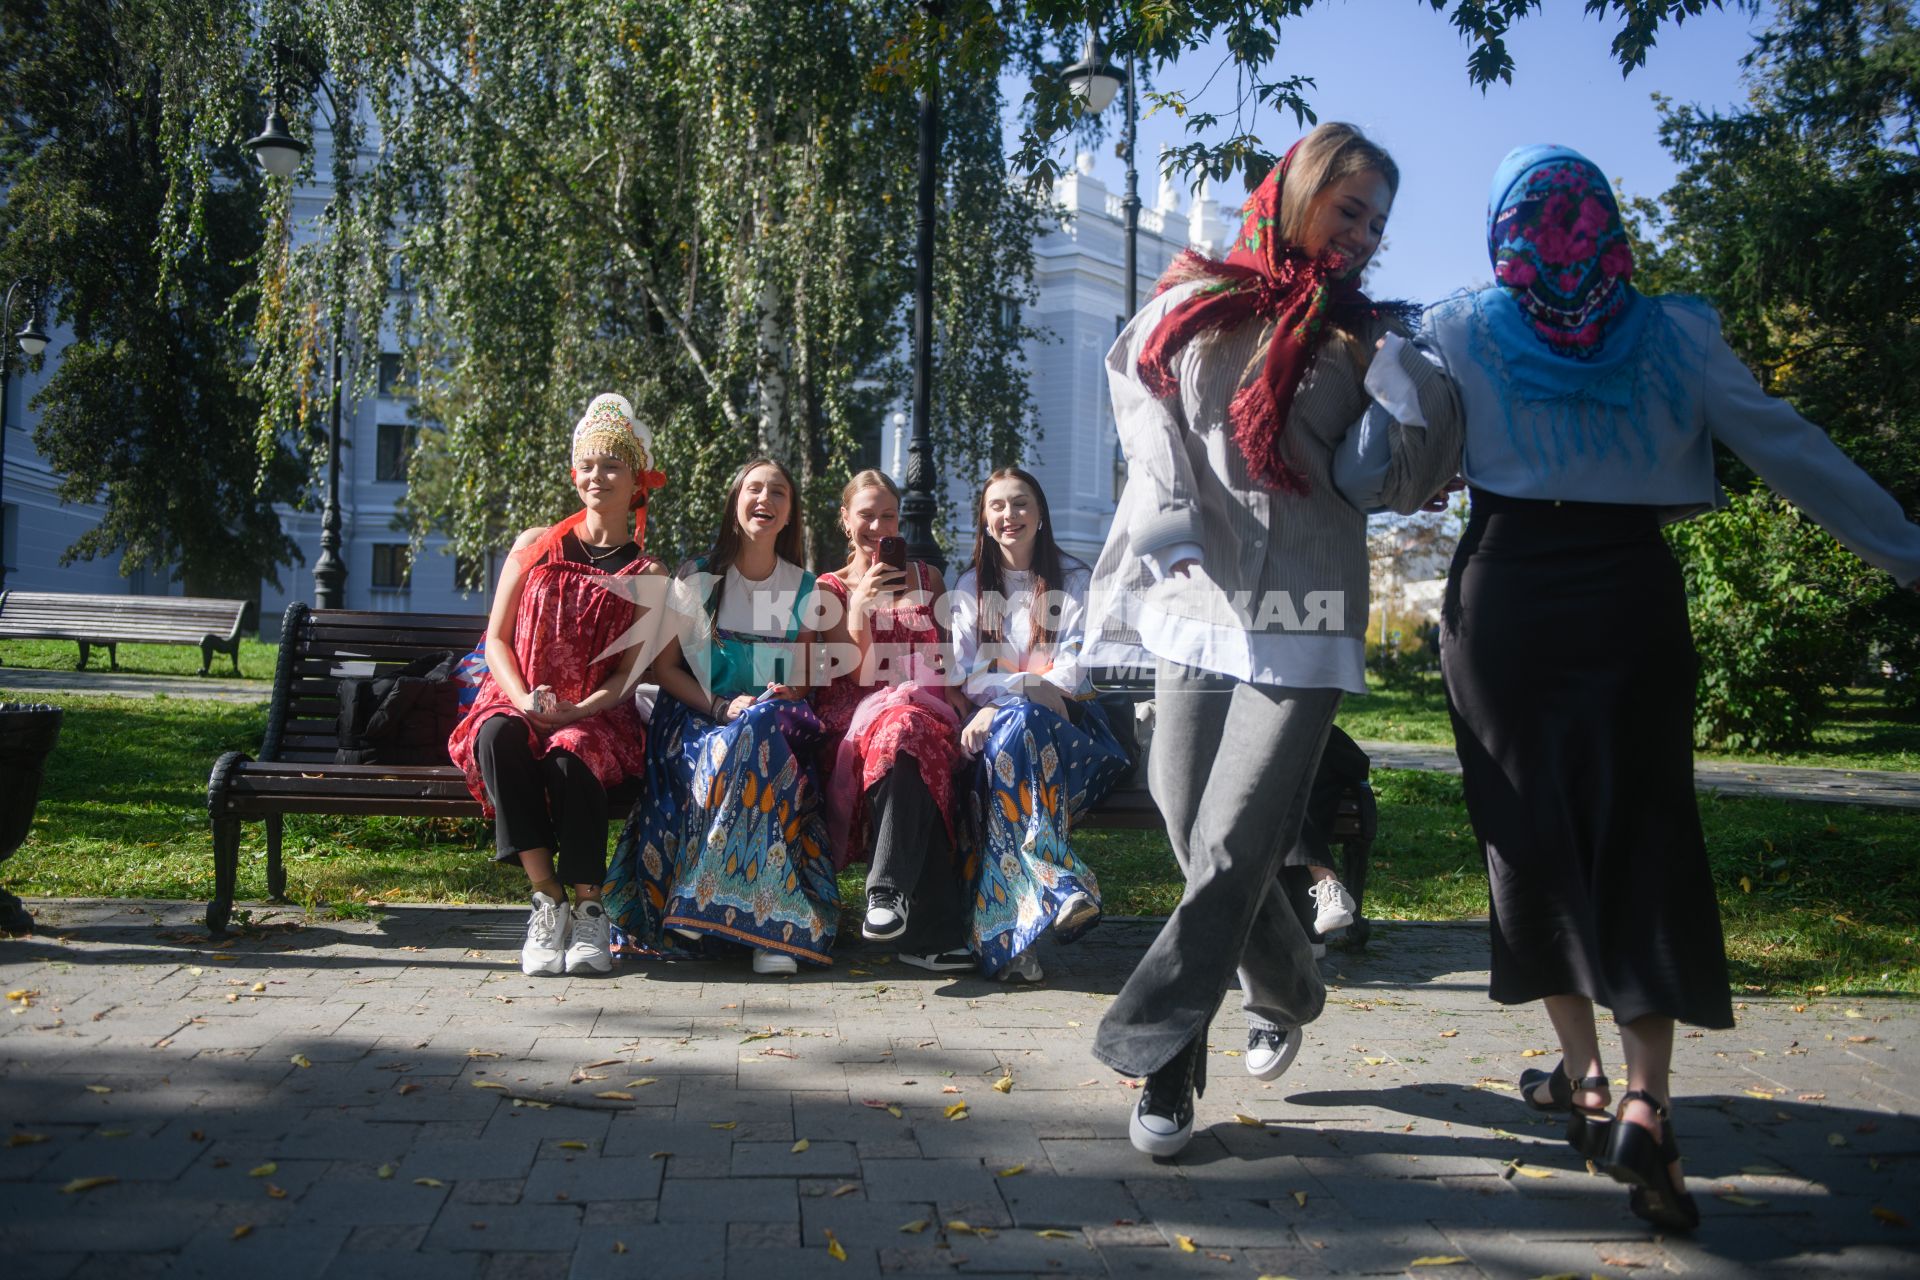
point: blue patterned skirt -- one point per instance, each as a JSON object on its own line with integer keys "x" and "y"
{"x": 730, "y": 840}
{"x": 1038, "y": 774}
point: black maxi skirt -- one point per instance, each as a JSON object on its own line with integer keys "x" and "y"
{"x": 1570, "y": 676}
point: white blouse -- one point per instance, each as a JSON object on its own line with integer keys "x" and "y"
{"x": 995, "y": 672}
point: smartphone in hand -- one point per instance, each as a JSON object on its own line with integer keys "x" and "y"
{"x": 893, "y": 552}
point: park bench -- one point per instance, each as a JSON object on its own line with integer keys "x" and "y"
{"x": 111, "y": 621}
{"x": 295, "y": 771}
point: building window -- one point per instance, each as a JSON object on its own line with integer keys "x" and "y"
{"x": 393, "y": 384}
{"x": 393, "y": 451}
{"x": 469, "y": 573}
{"x": 392, "y": 566}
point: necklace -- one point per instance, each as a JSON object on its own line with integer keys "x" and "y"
{"x": 587, "y": 550}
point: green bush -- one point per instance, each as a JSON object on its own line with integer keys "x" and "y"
{"x": 1779, "y": 612}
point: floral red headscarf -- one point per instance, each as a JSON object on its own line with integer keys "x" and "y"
{"x": 1268, "y": 278}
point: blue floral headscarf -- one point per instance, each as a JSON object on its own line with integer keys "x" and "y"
{"x": 1563, "y": 332}
{"x": 1559, "y": 248}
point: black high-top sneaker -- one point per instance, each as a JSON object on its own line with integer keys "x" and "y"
{"x": 1162, "y": 1123}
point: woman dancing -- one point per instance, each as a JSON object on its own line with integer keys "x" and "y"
{"x": 1236, "y": 563}
{"x": 1591, "y": 411}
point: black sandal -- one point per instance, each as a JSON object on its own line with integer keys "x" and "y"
{"x": 1636, "y": 1158}
{"x": 1588, "y": 1130}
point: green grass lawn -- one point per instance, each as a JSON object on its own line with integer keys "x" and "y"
{"x": 1812, "y": 895}
{"x": 256, "y": 658}
{"x": 1860, "y": 732}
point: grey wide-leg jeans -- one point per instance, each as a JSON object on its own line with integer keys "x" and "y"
{"x": 1231, "y": 769}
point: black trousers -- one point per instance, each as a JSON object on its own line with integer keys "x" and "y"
{"x": 913, "y": 855}
{"x": 552, "y": 803}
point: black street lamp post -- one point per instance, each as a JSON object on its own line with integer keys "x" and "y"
{"x": 279, "y": 153}
{"x": 33, "y": 340}
{"x": 917, "y": 508}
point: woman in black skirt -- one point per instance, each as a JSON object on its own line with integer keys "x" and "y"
{"x": 1591, "y": 413}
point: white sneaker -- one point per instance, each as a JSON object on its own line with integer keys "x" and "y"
{"x": 774, "y": 962}
{"x": 1075, "y": 914}
{"x": 1271, "y": 1051}
{"x": 1332, "y": 906}
{"x": 590, "y": 946}
{"x": 1024, "y": 967}
{"x": 547, "y": 927}
{"x": 886, "y": 915}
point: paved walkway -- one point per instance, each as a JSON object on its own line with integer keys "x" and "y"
{"x": 392, "y": 1098}
{"x": 1884, "y": 788}
{"x": 42, "y": 684}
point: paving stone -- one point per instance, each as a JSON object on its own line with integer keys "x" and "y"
{"x": 514, "y": 1228}
{"x": 779, "y": 1159}
{"x": 1047, "y": 1200}
{"x": 723, "y": 1200}
{"x": 296, "y": 1251}
{"x": 472, "y": 1158}
{"x": 586, "y": 1179}
{"x": 664, "y": 1251}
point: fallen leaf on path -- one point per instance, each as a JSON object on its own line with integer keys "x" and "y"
{"x": 958, "y": 1111}
{"x": 98, "y": 1088}
{"x": 1054, "y": 1234}
{"x": 573, "y": 1144}
{"x": 1014, "y": 1171}
{"x": 801, "y": 1145}
{"x": 614, "y": 1095}
{"x": 242, "y": 1231}
{"x": 915, "y": 1227}
{"x": 428, "y": 1182}
{"x": 276, "y": 1193}
{"x": 266, "y": 1170}
{"x": 959, "y": 1228}
{"x": 1252, "y": 1122}
{"x": 25, "y": 1139}
{"x": 1813, "y": 1097}
{"x": 895, "y": 1112}
{"x": 301, "y": 1060}
{"x": 489, "y": 1084}
{"x": 641, "y": 1083}
{"x": 604, "y": 1062}
{"x": 1528, "y": 1171}
{"x": 1439, "y": 1260}
{"x": 87, "y": 1184}
{"x": 1448, "y": 1035}
{"x": 780, "y": 1053}
{"x": 1836, "y": 1140}
{"x": 1186, "y": 1244}
{"x": 950, "y": 1088}
{"x": 384, "y": 1172}
{"x": 619, "y": 1246}
{"x": 482, "y": 1053}
{"x": 1300, "y": 1198}
{"x": 1003, "y": 1085}
{"x": 1533, "y": 1053}
{"x": 1745, "y": 1202}
{"x": 845, "y": 1189}
{"x": 724, "y": 1124}
{"x": 1889, "y": 1217}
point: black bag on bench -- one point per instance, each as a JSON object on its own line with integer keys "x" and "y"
{"x": 402, "y": 718}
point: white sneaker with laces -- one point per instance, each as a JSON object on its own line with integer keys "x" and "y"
{"x": 774, "y": 962}
{"x": 1332, "y": 906}
{"x": 886, "y": 915}
{"x": 1271, "y": 1050}
{"x": 590, "y": 947}
{"x": 1024, "y": 967}
{"x": 546, "y": 943}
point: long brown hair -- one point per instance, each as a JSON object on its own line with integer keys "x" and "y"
{"x": 1049, "y": 562}
{"x": 790, "y": 544}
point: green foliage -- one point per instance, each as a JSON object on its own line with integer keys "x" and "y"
{"x": 143, "y": 235}
{"x": 1796, "y": 217}
{"x": 1776, "y": 606}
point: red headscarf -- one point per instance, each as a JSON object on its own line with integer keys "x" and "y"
{"x": 1268, "y": 278}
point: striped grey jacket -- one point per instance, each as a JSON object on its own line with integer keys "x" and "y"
{"x": 1188, "y": 483}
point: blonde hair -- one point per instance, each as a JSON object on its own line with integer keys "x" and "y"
{"x": 1331, "y": 153}
{"x": 871, "y": 478}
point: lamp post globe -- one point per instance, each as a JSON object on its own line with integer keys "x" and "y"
{"x": 277, "y": 151}
{"x": 32, "y": 338}
{"x": 1094, "y": 80}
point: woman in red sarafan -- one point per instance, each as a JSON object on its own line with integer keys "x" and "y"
{"x": 893, "y": 737}
{"x": 552, "y": 728}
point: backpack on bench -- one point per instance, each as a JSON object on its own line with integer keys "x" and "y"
{"x": 402, "y": 718}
